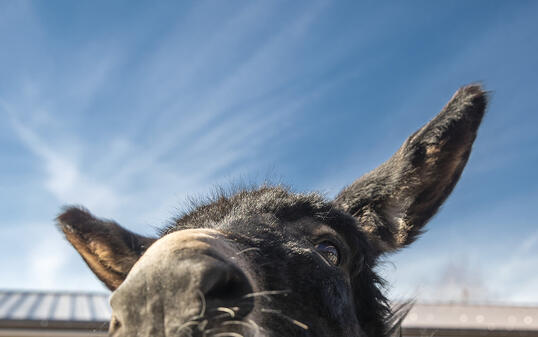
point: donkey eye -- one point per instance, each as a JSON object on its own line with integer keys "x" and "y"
{"x": 329, "y": 252}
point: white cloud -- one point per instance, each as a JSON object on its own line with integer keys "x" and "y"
{"x": 64, "y": 180}
{"x": 252, "y": 78}
{"x": 467, "y": 276}
{"x": 46, "y": 259}
{"x": 38, "y": 257}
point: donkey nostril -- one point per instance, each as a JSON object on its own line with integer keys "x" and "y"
{"x": 225, "y": 282}
{"x": 229, "y": 287}
{"x": 115, "y": 324}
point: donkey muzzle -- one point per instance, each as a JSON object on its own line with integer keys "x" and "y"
{"x": 185, "y": 282}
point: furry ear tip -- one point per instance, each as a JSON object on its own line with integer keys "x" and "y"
{"x": 468, "y": 104}
{"x": 72, "y": 216}
{"x": 474, "y": 94}
{"x": 475, "y": 87}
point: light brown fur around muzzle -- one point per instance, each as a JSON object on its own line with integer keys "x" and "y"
{"x": 174, "y": 282}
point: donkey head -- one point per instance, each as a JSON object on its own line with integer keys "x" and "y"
{"x": 269, "y": 262}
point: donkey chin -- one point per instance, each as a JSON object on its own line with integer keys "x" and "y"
{"x": 266, "y": 261}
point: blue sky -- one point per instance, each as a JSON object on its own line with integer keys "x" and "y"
{"x": 129, "y": 108}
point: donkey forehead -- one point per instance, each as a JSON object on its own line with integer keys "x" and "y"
{"x": 265, "y": 206}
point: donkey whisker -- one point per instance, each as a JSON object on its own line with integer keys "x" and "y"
{"x": 267, "y": 293}
{"x": 250, "y": 324}
{"x": 221, "y": 316}
{"x": 227, "y": 310}
{"x": 187, "y": 325}
{"x": 279, "y": 313}
{"x": 247, "y": 250}
{"x": 228, "y": 334}
{"x": 321, "y": 256}
{"x": 203, "y": 303}
{"x": 256, "y": 327}
{"x": 202, "y": 325}
{"x": 245, "y": 324}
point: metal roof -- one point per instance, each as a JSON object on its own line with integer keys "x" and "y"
{"x": 53, "y": 309}
{"x": 45, "y": 309}
{"x": 472, "y": 317}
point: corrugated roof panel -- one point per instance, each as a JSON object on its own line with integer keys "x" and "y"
{"x": 21, "y": 310}
{"x": 81, "y": 310}
{"x": 53, "y": 306}
{"x": 102, "y": 308}
{"x": 3, "y": 298}
{"x": 467, "y": 316}
{"x": 35, "y": 305}
{"x": 63, "y": 308}
{"x": 91, "y": 307}
{"x": 53, "y": 310}
{"x": 86, "y": 308}
{"x": 42, "y": 309}
{"x": 10, "y": 301}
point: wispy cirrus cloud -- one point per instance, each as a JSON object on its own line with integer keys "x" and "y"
{"x": 184, "y": 134}
{"x": 237, "y": 99}
{"x": 130, "y": 115}
{"x": 64, "y": 179}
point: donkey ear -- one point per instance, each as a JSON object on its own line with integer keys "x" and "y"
{"x": 394, "y": 202}
{"x": 107, "y": 248}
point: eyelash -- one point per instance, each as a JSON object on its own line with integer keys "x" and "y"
{"x": 330, "y": 251}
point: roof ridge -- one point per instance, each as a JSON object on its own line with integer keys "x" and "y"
{"x": 53, "y": 292}
{"x": 492, "y": 304}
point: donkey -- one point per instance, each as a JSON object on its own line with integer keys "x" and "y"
{"x": 268, "y": 262}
